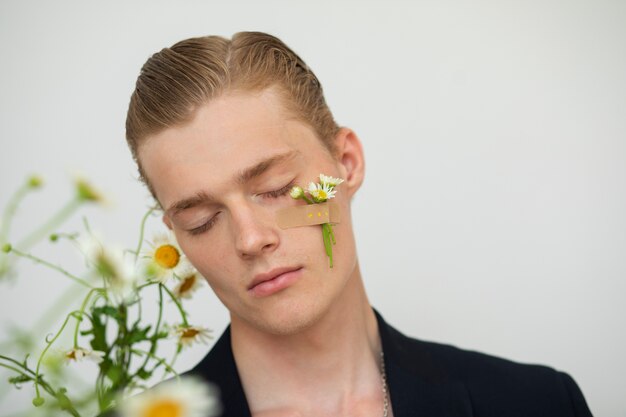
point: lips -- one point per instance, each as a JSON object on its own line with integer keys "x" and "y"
{"x": 273, "y": 281}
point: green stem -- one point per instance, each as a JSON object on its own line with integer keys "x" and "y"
{"x": 53, "y": 312}
{"x": 160, "y": 361}
{"x": 82, "y": 313}
{"x": 6, "y": 358}
{"x": 326, "y": 233}
{"x": 37, "y": 374}
{"x": 52, "y": 266}
{"x": 11, "y": 208}
{"x": 5, "y": 224}
{"x": 19, "y": 371}
{"x": 173, "y": 361}
{"x": 153, "y": 346}
{"x": 56, "y": 220}
{"x": 39, "y": 381}
{"x": 142, "y": 230}
{"x": 178, "y": 305}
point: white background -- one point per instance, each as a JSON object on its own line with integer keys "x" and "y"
{"x": 493, "y": 215}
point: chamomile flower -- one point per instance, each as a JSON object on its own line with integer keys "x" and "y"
{"x": 188, "y": 335}
{"x": 78, "y": 354}
{"x": 330, "y": 181}
{"x": 321, "y": 192}
{"x": 110, "y": 264}
{"x": 165, "y": 259}
{"x": 184, "y": 397}
{"x": 189, "y": 283}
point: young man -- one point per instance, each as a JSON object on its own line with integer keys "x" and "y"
{"x": 221, "y": 131}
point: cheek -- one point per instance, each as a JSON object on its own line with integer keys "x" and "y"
{"x": 207, "y": 257}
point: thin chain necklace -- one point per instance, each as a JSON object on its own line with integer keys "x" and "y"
{"x": 383, "y": 375}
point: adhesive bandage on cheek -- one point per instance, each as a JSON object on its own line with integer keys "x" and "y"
{"x": 308, "y": 215}
{"x": 318, "y": 210}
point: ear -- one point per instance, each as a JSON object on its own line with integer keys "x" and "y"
{"x": 351, "y": 159}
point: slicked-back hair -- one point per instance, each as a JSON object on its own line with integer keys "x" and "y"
{"x": 176, "y": 81}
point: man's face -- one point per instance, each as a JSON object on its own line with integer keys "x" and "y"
{"x": 221, "y": 179}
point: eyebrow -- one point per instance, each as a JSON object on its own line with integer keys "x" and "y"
{"x": 244, "y": 176}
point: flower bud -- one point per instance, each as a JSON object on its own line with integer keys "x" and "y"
{"x": 85, "y": 192}
{"x": 6, "y": 248}
{"x": 38, "y": 401}
{"x": 35, "y": 181}
{"x": 296, "y": 192}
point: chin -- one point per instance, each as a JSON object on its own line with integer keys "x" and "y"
{"x": 286, "y": 318}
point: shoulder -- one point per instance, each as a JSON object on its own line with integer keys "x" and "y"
{"x": 492, "y": 385}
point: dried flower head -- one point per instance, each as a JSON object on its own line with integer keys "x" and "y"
{"x": 189, "y": 283}
{"x": 188, "y": 335}
{"x": 78, "y": 354}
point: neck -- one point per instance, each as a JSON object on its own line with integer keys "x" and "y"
{"x": 334, "y": 363}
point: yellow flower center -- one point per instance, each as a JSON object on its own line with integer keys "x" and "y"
{"x": 321, "y": 195}
{"x": 163, "y": 408}
{"x": 189, "y": 332}
{"x": 167, "y": 256}
{"x": 187, "y": 284}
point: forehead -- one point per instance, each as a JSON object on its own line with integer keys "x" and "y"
{"x": 226, "y": 135}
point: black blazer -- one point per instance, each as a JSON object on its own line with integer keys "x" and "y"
{"x": 433, "y": 380}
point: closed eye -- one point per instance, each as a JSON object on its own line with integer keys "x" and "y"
{"x": 280, "y": 192}
{"x": 270, "y": 194}
{"x": 204, "y": 227}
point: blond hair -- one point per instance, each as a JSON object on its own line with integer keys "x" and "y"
{"x": 176, "y": 81}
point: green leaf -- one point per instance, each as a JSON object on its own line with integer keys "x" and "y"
{"x": 115, "y": 374}
{"x": 107, "y": 311}
{"x": 137, "y": 335}
{"x": 99, "y": 334}
{"x": 143, "y": 374}
{"x": 16, "y": 380}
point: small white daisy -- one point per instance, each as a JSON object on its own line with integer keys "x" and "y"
{"x": 187, "y": 335}
{"x": 78, "y": 354}
{"x": 184, "y": 397}
{"x": 164, "y": 259}
{"x": 189, "y": 283}
{"x": 330, "y": 181}
{"x": 321, "y": 193}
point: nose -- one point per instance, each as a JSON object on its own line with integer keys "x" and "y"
{"x": 254, "y": 231}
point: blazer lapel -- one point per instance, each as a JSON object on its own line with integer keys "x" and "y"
{"x": 417, "y": 386}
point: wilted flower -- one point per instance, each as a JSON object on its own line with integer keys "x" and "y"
{"x": 186, "y": 397}
{"x": 78, "y": 354}
{"x": 189, "y": 283}
{"x": 110, "y": 264}
{"x": 187, "y": 335}
{"x": 165, "y": 259}
{"x": 86, "y": 192}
